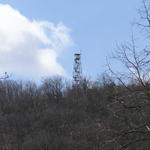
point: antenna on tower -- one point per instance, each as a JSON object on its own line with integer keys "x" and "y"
{"x": 77, "y": 70}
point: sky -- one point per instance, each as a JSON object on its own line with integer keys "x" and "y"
{"x": 39, "y": 37}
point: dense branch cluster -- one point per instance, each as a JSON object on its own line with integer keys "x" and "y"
{"x": 98, "y": 115}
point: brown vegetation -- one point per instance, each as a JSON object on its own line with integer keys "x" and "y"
{"x": 111, "y": 113}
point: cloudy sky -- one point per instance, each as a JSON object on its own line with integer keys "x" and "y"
{"x": 38, "y": 37}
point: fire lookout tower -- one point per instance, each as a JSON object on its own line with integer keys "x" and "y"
{"x": 77, "y": 71}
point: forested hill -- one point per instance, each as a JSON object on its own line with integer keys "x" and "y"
{"x": 55, "y": 116}
{"x": 110, "y": 113}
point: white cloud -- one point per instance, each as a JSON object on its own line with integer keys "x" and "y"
{"x": 31, "y": 48}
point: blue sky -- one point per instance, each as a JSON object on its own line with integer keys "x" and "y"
{"x": 96, "y": 26}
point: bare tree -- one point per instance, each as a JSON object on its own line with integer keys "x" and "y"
{"x": 53, "y": 87}
{"x": 131, "y": 103}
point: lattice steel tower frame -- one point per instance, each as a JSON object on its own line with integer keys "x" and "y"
{"x": 77, "y": 69}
